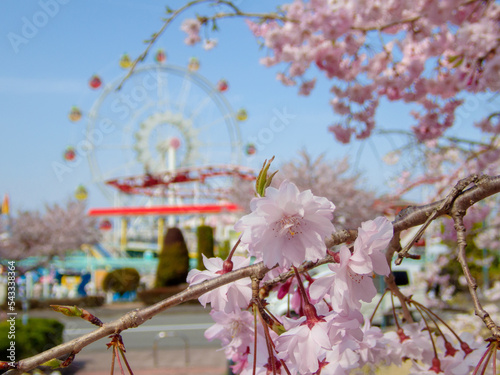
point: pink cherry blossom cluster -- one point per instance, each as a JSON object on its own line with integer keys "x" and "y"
{"x": 421, "y": 52}
{"x": 192, "y": 28}
{"x": 412, "y": 51}
{"x": 327, "y": 333}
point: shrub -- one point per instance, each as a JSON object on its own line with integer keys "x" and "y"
{"x": 37, "y": 335}
{"x": 223, "y": 249}
{"x": 205, "y": 235}
{"x": 122, "y": 280}
{"x": 173, "y": 263}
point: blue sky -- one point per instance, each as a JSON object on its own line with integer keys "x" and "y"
{"x": 50, "y": 49}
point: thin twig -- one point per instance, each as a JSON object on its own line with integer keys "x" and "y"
{"x": 174, "y": 14}
{"x": 155, "y": 36}
{"x": 444, "y": 205}
{"x": 458, "y": 218}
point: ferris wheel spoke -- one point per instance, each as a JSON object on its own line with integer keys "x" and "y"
{"x": 162, "y": 90}
{"x": 183, "y": 95}
{"x": 206, "y": 127}
{"x": 196, "y": 111}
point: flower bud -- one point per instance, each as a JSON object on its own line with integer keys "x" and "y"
{"x": 53, "y": 363}
{"x": 77, "y": 311}
{"x": 263, "y": 180}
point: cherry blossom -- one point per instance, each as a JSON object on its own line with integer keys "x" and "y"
{"x": 229, "y": 298}
{"x": 192, "y": 28}
{"x": 351, "y": 281}
{"x": 303, "y": 346}
{"x": 234, "y": 330}
{"x": 373, "y": 347}
{"x": 344, "y": 287}
{"x": 49, "y": 234}
{"x": 373, "y": 238}
{"x": 340, "y": 38}
{"x": 287, "y": 226}
{"x": 413, "y": 342}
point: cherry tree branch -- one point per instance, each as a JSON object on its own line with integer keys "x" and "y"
{"x": 484, "y": 186}
{"x": 174, "y": 14}
{"x": 150, "y": 42}
{"x": 445, "y": 204}
{"x": 455, "y": 205}
{"x": 137, "y": 317}
{"x": 458, "y": 218}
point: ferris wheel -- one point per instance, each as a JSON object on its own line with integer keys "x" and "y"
{"x": 161, "y": 122}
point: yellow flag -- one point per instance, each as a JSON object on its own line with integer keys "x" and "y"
{"x": 5, "y": 205}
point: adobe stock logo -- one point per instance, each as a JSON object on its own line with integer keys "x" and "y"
{"x": 32, "y": 25}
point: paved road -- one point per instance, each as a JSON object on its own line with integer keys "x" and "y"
{"x": 179, "y": 324}
{"x": 170, "y": 343}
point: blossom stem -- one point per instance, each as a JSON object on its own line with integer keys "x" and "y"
{"x": 302, "y": 290}
{"x": 270, "y": 348}
{"x": 465, "y": 347}
{"x": 274, "y": 319}
{"x": 378, "y": 305}
{"x": 126, "y": 362}
{"x": 119, "y": 361}
{"x": 430, "y": 312}
{"x": 234, "y": 249}
{"x": 433, "y": 317}
{"x": 309, "y": 310}
{"x": 394, "y": 312}
{"x": 113, "y": 362}
{"x": 228, "y": 263}
{"x": 428, "y": 330}
{"x": 285, "y": 367}
{"x": 487, "y": 353}
{"x": 495, "y": 359}
{"x": 254, "y": 370}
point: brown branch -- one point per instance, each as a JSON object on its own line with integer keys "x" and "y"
{"x": 458, "y": 199}
{"x": 204, "y": 20}
{"x": 340, "y": 237}
{"x": 155, "y": 36}
{"x": 483, "y": 188}
{"x": 445, "y": 204}
{"x": 306, "y": 266}
{"x": 137, "y": 317}
{"x": 458, "y": 218}
{"x": 455, "y": 205}
{"x": 394, "y": 289}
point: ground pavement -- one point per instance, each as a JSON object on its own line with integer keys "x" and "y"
{"x": 202, "y": 361}
{"x": 199, "y": 359}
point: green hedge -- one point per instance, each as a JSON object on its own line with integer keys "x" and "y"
{"x": 36, "y": 336}
{"x": 173, "y": 262}
{"x": 122, "y": 280}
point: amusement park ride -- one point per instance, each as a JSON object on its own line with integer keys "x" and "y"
{"x": 164, "y": 147}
